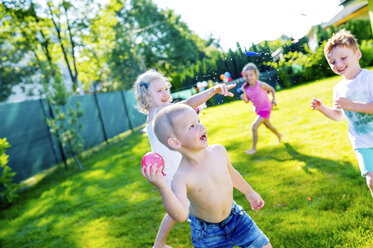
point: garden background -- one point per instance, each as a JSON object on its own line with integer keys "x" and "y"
{"x": 75, "y": 57}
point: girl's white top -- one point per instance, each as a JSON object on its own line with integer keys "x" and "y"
{"x": 171, "y": 158}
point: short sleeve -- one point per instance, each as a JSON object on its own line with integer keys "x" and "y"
{"x": 369, "y": 82}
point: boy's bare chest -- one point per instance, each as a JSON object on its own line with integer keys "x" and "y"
{"x": 210, "y": 176}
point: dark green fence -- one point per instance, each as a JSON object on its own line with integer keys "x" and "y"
{"x": 34, "y": 149}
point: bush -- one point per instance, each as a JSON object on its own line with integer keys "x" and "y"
{"x": 283, "y": 69}
{"x": 7, "y": 187}
{"x": 361, "y": 29}
{"x": 314, "y": 64}
{"x": 298, "y": 67}
{"x": 366, "y": 48}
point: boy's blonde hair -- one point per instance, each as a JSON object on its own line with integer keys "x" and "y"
{"x": 164, "y": 122}
{"x": 141, "y": 88}
{"x": 342, "y": 38}
{"x": 251, "y": 67}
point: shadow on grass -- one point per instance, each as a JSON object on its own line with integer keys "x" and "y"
{"x": 287, "y": 152}
{"x": 57, "y": 209}
{"x": 345, "y": 168}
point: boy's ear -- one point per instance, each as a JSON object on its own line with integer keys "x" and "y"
{"x": 359, "y": 55}
{"x": 174, "y": 143}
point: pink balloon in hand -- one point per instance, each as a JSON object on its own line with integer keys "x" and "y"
{"x": 153, "y": 159}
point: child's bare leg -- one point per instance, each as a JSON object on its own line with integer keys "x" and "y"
{"x": 164, "y": 229}
{"x": 254, "y": 127}
{"x": 269, "y": 125}
{"x": 267, "y": 246}
{"x": 369, "y": 178}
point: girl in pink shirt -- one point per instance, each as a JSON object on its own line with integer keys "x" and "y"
{"x": 257, "y": 92}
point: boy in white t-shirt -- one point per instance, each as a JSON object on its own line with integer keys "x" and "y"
{"x": 353, "y": 97}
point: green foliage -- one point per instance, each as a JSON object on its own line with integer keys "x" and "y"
{"x": 366, "y": 49}
{"x": 106, "y": 46}
{"x": 116, "y": 42}
{"x": 322, "y": 34}
{"x": 65, "y": 124}
{"x": 7, "y": 187}
{"x": 15, "y": 69}
{"x": 66, "y": 127}
{"x": 165, "y": 42}
{"x": 361, "y": 29}
{"x": 298, "y": 67}
{"x": 125, "y": 61}
{"x": 232, "y": 62}
{"x": 304, "y": 65}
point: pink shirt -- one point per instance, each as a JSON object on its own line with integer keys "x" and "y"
{"x": 259, "y": 98}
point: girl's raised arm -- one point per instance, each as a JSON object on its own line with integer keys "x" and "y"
{"x": 196, "y": 100}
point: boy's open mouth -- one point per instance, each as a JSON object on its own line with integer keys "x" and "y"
{"x": 341, "y": 70}
{"x": 203, "y": 137}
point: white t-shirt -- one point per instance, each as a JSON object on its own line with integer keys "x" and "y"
{"x": 171, "y": 158}
{"x": 360, "y": 125}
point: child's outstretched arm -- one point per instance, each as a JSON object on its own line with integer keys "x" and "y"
{"x": 347, "y": 104}
{"x": 244, "y": 98}
{"x": 240, "y": 183}
{"x": 172, "y": 204}
{"x": 332, "y": 113}
{"x": 197, "y": 99}
{"x": 270, "y": 89}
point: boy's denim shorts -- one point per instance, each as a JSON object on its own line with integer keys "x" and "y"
{"x": 238, "y": 229}
{"x": 365, "y": 158}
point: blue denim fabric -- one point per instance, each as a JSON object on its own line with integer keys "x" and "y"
{"x": 238, "y": 229}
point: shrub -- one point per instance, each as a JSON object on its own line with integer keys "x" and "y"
{"x": 7, "y": 187}
{"x": 366, "y": 48}
{"x": 314, "y": 64}
{"x": 298, "y": 67}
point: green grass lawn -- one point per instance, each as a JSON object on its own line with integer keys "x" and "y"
{"x": 110, "y": 204}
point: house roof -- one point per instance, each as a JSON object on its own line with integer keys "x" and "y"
{"x": 342, "y": 2}
{"x": 348, "y": 10}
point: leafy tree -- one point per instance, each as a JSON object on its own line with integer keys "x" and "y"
{"x": 167, "y": 42}
{"x": 96, "y": 64}
{"x": 15, "y": 67}
{"x": 102, "y": 46}
{"x": 126, "y": 61}
{"x": 38, "y": 34}
{"x": 65, "y": 34}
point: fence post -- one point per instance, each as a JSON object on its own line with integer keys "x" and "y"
{"x": 48, "y": 130}
{"x": 126, "y": 110}
{"x": 100, "y": 116}
{"x": 58, "y": 138}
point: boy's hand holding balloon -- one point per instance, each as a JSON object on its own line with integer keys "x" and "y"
{"x": 153, "y": 159}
